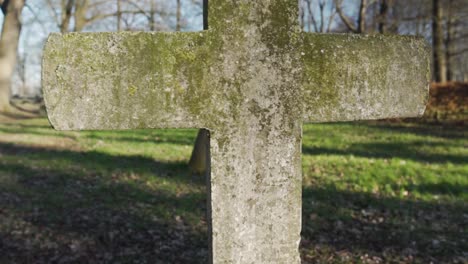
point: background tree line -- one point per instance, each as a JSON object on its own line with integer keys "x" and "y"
{"x": 444, "y": 23}
{"x": 26, "y": 24}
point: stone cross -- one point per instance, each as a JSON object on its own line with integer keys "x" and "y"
{"x": 251, "y": 80}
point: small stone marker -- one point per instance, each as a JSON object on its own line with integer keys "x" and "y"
{"x": 252, "y": 80}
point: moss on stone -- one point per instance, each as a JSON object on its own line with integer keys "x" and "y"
{"x": 349, "y": 77}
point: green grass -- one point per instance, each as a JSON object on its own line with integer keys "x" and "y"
{"x": 373, "y": 193}
{"x": 392, "y": 193}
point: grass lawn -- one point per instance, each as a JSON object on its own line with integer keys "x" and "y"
{"x": 373, "y": 193}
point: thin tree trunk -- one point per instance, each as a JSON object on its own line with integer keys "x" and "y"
{"x": 302, "y": 17}
{"x": 322, "y": 18}
{"x": 362, "y": 17}
{"x": 81, "y": 6}
{"x": 331, "y": 17}
{"x": 119, "y": 16}
{"x": 199, "y": 160}
{"x": 312, "y": 20}
{"x": 449, "y": 40}
{"x": 440, "y": 65}
{"x": 383, "y": 17}
{"x": 344, "y": 18}
{"x": 178, "y": 16}
{"x": 205, "y": 14}
{"x": 67, "y": 8}
{"x": 8, "y": 48}
{"x": 151, "y": 18}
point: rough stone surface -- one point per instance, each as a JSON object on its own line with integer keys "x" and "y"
{"x": 252, "y": 79}
{"x": 354, "y": 77}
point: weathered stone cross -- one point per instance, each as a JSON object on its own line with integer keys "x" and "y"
{"x": 252, "y": 80}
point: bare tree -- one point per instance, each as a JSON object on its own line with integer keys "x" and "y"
{"x": 178, "y": 16}
{"x": 151, "y": 15}
{"x": 67, "y": 8}
{"x": 440, "y": 64}
{"x": 155, "y": 13}
{"x": 9, "y": 40}
{"x": 456, "y": 39}
{"x": 21, "y": 64}
{"x": 360, "y": 25}
{"x": 321, "y": 21}
{"x": 82, "y": 12}
{"x": 383, "y": 13}
{"x": 444, "y": 24}
{"x": 119, "y": 15}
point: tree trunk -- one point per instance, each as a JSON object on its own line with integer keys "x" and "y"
{"x": 449, "y": 40}
{"x": 302, "y": 17}
{"x": 67, "y": 9}
{"x": 205, "y": 14}
{"x": 362, "y": 17}
{"x": 383, "y": 16}
{"x": 8, "y": 48}
{"x": 178, "y": 16}
{"x": 81, "y": 7}
{"x": 440, "y": 65}
{"x": 119, "y": 16}
{"x": 199, "y": 160}
{"x": 344, "y": 18}
{"x": 151, "y": 17}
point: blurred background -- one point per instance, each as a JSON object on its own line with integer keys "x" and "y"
{"x": 388, "y": 191}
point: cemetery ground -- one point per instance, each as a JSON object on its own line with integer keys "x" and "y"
{"x": 374, "y": 192}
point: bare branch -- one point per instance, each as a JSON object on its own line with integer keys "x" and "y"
{"x": 104, "y": 16}
{"x": 322, "y": 18}
{"x": 140, "y": 9}
{"x": 311, "y": 15}
{"x": 53, "y": 12}
{"x": 331, "y": 18}
{"x": 458, "y": 52}
{"x": 343, "y": 17}
{"x": 362, "y": 17}
{"x": 36, "y": 17}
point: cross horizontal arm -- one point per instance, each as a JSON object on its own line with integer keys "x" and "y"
{"x": 124, "y": 80}
{"x": 356, "y": 77}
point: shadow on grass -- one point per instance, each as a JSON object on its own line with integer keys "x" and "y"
{"x": 441, "y": 188}
{"x": 180, "y": 137}
{"x": 446, "y": 131}
{"x": 102, "y": 163}
{"x": 337, "y": 223}
{"x": 388, "y": 150}
{"x": 19, "y": 114}
{"x": 89, "y": 207}
{"x": 156, "y": 136}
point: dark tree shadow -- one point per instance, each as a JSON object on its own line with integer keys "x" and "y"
{"x": 179, "y": 137}
{"x": 95, "y": 212}
{"x": 388, "y": 150}
{"x": 446, "y": 131}
{"x": 19, "y": 115}
{"x": 390, "y": 228}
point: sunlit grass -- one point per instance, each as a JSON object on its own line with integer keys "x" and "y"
{"x": 405, "y": 161}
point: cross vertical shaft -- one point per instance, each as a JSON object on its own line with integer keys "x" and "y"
{"x": 256, "y": 195}
{"x": 255, "y": 169}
